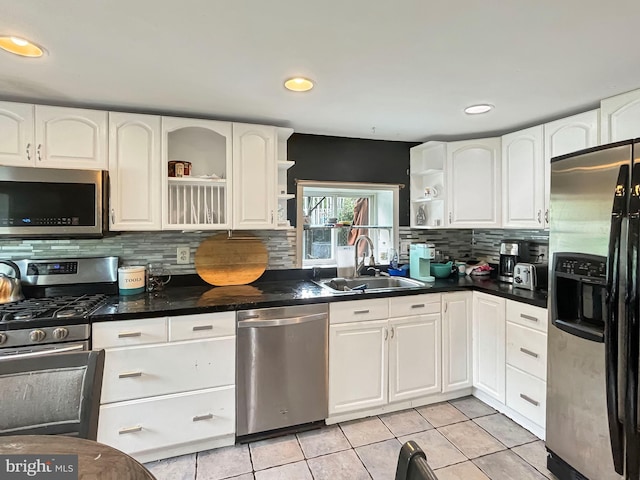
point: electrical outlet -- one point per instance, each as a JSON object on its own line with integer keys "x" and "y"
{"x": 543, "y": 251}
{"x": 404, "y": 247}
{"x": 182, "y": 255}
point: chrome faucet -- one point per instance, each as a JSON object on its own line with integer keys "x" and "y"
{"x": 372, "y": 260}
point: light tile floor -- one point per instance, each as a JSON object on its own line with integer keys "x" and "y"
{"x": 464, "y": 439}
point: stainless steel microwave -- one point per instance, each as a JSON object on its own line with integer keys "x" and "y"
{"x": 48, "y": 202}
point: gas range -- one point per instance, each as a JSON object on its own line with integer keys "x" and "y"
{"x": 62, "y": 294}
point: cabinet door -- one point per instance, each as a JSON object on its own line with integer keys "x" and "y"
{"x": 523, "y": 179}
{"x": 564, "y": 136}
{"x": 456, "y": 341}
{"x": 358, "y": 362}
{"x": 620, "y": 117}
{"x": 71, "y": 138}
{"x": 134, "y": 172}
{"x": 414, "y": 357}
{"x": 473, "y": 183}
{"x": 16, "y": 134}
{"x": 254, "y": 175}
{"x": 489, "y": 362}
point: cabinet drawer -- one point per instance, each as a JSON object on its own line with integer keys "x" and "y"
{"x": 527, "y": 350}
{"x": 414, "y": 305}
{"x": 141, "y": 425}
{"x": 527, "y": 395}
{"x": 359, "y": 310}
{"x": 129, "y": 332}
{"x": 149, "y": 370}
{"x": 527, "y": 315}
{"x": 207, "y": 325}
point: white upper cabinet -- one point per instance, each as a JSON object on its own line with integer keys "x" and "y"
{"x": 134, "y": 172}
{"x": 428, "y": 208}
{"x": 564, "y": 136}
{"x": 16, "y": 134}
{"x": 523, "y": 179}
{"x": 201, "y": 200}
{"x": 473, "y": 183}
{"x": 52, "y": 137}
{"x": 71, "y": 138}
{"x": 255, "y": 173}
{"x": 620, "y": 117}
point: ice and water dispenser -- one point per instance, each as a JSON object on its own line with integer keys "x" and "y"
{"x": 579, "y": 295}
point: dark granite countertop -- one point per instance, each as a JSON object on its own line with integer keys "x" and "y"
{"x": 192, "y": 296}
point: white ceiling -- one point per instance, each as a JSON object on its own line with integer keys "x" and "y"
{"x": 405, "y": 68}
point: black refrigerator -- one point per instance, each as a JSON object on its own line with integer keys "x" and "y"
{"x": 594, "y": 334}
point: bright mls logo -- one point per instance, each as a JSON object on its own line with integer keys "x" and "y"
{"x": 45, "y": 467}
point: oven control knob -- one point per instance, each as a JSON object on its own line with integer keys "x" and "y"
{"x": 3, "y": 338}
{"x": 37, "y": 335}
{"x": 60, "y": 333}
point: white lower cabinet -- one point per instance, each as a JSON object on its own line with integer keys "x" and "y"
{"x": 358, "y": 355}
{"x": 456, "y": 341}
{"x": 489, "y": 344}
{"x": 383, "y": 351}
{"x": 169, "y": 384}
{"x": 510, "y": 358}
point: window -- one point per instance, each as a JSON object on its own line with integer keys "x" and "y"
{"x": 333, "y": 214}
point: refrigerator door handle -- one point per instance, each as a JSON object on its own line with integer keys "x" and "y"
{"x": 632, "y": 438}
{"x": 611, "y": 326}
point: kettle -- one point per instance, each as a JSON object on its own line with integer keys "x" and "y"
{"x": 10, "y": 288}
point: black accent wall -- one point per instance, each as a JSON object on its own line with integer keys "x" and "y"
{"x": 341, "y": 159}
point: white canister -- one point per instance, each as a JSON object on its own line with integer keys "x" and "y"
{"x": 131, "y": 280}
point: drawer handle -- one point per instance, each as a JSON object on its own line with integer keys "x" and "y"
{"x": 533, "y": 402}
{"x": 208, "y": 416}
{"x": 529, "y": 352}
{"x": 529, "y": 317}
{"x": 357, "y": 312}
{"x": 418, "y": 305}
{"x": 197, "y": 328}
{"x": 129, "y": 334}
{"x": 124, "y": 431}
{"x": 130, "y": 375}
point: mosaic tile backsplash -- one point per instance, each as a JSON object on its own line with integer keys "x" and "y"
{"x": 140, "y": 248}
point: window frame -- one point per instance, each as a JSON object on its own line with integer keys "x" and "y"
{"x": 369, "y": 190}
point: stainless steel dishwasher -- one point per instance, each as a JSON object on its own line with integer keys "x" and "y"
{"x": 282, "y": 367}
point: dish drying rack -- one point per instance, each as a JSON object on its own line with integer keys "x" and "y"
{"x": 197, "y": 201}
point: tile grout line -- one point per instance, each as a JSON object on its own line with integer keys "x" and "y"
{"x": 304, "y": 456}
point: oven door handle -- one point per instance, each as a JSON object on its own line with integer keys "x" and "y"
{"x": 39, "y": 353}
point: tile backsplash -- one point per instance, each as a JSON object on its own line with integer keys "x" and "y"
{"x": 140, "y": 248}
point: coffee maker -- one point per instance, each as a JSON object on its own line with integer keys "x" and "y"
{"x": 511, "y": 252}
{"x": 420, "y": 257}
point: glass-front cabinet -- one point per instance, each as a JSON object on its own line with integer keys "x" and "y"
{"x": 197, "y": 157}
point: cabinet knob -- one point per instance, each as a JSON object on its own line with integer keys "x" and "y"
{"x": 29, "y": 151}
{"x": 539, "y": 216}
{"x": 392, "y": 331}
{"x": 39, "y": 152}
{"x": 546, "y": 216}
{"x": 113, "y": 216}
{"x": 386, "y": 333}
{"x": 449, "y": 217}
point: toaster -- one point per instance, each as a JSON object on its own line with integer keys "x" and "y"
{"x": 531, "y": 275}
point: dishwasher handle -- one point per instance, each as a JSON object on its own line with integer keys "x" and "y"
{"x": 280, "y": 322}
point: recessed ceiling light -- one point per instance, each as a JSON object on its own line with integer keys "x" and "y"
{"x": 298, "y": 84}
{"x": 20, "y": 46}
{"x": 480, "y": 108}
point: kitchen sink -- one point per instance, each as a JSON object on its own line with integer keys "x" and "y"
{"x": 368, "y": 284}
